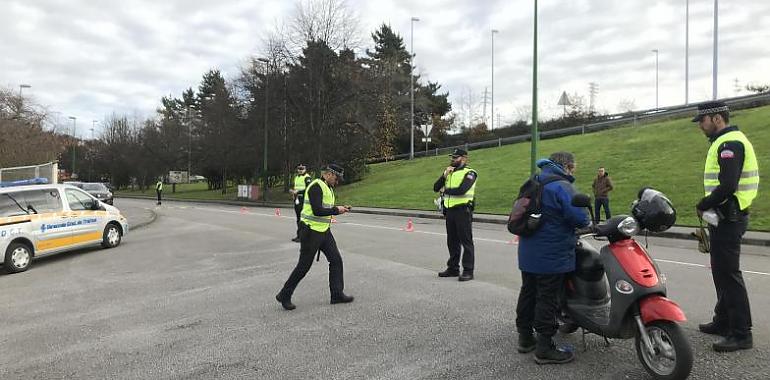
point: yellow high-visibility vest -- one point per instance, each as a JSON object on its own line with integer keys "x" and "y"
{"x": 453, "y": 180}
{"x": 318, "y": 223}
{"x": 748, "y": 185}
{"x": 299, "y": 183}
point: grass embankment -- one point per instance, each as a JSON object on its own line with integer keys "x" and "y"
{"x": 668, "y": 156}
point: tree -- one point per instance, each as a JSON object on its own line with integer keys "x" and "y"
{"x": 758, "y": 88}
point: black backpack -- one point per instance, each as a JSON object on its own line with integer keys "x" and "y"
{"x": 526, "y": 214}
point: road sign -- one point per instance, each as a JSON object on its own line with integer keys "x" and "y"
{"x": 426, "y": 139}
{"x": 564, "y": 99}
{"x": 177, "y": 177}
{"x": 427, "y": 128}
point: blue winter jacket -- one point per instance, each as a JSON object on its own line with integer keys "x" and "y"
{"x": 551, "y": 249}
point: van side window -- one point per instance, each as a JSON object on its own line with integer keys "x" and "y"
{"x": 12, "y": 205}
{"x": 78, "y": 200}
{"x": 42, "y": 201}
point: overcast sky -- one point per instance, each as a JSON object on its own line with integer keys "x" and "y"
{"x": 89, "y": 59}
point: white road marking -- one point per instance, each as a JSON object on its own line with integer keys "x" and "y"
{"x": 508, "y": 242}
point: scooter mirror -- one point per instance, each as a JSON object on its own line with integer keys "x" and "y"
{"x": 581, "y": 200}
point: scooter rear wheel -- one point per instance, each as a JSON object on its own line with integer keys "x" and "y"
{"x": 673, "y": 355}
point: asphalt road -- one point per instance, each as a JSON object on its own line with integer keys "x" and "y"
{"x": 191, "y": 296}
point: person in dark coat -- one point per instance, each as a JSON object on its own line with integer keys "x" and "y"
{"x": 545, "y": 258}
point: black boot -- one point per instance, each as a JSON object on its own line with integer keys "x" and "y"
{"x": 285, "y": 301}
{"x": 714, "y": 328}
{"x": 547, "y": 353}
{"x": 466, "y": 276}
{"x": 734, "y": 343}
{"x": 342, "y": 298}
{"x": 449, "y": 273}
{"x": 527, "y": 343}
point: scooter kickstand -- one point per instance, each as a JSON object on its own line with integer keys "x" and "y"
{"x": 606, "y": 342}
{"x": 583, "y": 333}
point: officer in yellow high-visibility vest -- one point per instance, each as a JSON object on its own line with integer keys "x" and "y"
{"x": 159, "y": 189}
{"x": 315, "y": 235}
{"x": 298, "y": 185}
{"x": 731, "y": 182}
{"x": 458, "y": 186}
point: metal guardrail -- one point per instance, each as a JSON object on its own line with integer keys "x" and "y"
{"x": 612, "y": 121}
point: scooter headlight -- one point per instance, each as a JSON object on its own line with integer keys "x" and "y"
{"x": 628, "y": 226}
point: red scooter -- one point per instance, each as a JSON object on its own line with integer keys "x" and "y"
{"x": 618, "y": 291}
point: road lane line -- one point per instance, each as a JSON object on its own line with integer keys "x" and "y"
{"x": 444, "y": 234}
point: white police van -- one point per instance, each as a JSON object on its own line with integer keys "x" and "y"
{"x": 39, "y": 220}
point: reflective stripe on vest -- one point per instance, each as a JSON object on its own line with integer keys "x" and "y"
{"x": 454, "y": 180}
{"x": 318, "y": 223}
{"x": 299, "y": 182}
{"x": 748, "y": 184}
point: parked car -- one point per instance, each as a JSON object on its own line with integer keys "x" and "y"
{"x": 74, "y": 183}
{"x": 44, "y": 219}
{"x": 99, "y": 191}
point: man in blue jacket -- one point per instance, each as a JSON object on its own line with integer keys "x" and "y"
{"x": 545, "y": 258}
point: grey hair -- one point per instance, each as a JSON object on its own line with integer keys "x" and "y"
{"x": 562, "y": 158}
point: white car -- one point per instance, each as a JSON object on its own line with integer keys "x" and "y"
{"x": 38, "y": 220}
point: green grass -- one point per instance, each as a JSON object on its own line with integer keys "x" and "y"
{"x": 187, "y": 191}
{"x": 667, "y": 155}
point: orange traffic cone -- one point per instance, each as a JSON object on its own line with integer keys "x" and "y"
{"x": 243, "y": 210}
{"x": 409, "y": 226}
{"x": 277, "y": 212}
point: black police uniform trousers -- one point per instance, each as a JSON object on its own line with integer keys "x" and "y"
{"x": 539, "y": 302}
{"x": 732, "y": 309}
{"x": 310, "y": 242}
{"x": 158, "y": 193}
{"x": 299, "y": 202}
{"x": 459, "y": 234}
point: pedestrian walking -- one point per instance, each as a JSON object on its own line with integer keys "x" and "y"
{"x": 731, "y": 182}
{"x": 316, "y": 236}
{"x": 458, "y": 186}
{"x": 545, "y": 257}
{"x": 602, "y": 186}
{"x": 298, "y": 186}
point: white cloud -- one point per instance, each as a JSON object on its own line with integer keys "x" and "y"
{"x": 88, "y": 59}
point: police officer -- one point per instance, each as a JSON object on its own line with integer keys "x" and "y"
{"x": 731, "y": 181}
{"x": 298, "y": 185}
{"x": 315, "y": 235}
{"x": 159, "y": 189}
{"x": 458, "y": 186}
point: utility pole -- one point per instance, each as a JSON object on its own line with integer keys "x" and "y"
{"x": 494, "y": 31}
{"x": 534, "y": 133}
{"x": 716, "y": 51}
{"x": 687, "y": 53}
{"x": 593, "y": 90}
{"x": 411, "y": 91}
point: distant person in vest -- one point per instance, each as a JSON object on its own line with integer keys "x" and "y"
{"x": 315, "y": 235}
{"x": 602, "y": 187}
{"x": 159, "y": 189}
{"x": 731, "y": 182}
{"x": 458, "y": 184}
{"x": 298, "y": 185}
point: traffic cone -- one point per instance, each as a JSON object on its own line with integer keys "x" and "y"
{"x": 409, "y": 226}
{"x": 277, "y": 212}
{"x": 243, "y": 210}
{"x": 513, "y": 241}
{"x": 334, "y": 220}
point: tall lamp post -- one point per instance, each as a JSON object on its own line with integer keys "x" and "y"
{"x": 74, "y": 135}
{"x": 687, "y": 53}
{"x": 21, "y": 98}
{"x": 534, "y": 133}
{"x": 494, "y": 31}
{"x": 656, "y": 77}
{"x": 411, "y": 91}
{"x": 716, "y": 47}
{"x": 264, "y": 161}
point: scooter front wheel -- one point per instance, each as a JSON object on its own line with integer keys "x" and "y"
{"x": 672, "y": 357}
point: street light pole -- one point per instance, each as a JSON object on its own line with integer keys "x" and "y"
{"x": 656, "y": 77}
{"x": 264, "y": 162}
{"x": 716, "y": 47}
{"x": 534, "y": 133}
{"x": 411, "y": 91}
{"x": 687, "y": 53}
{"x": 74, "y": 135}
{"x": 494, "y": 31}
{"x": 22, "y": 86}
{"x": 189, "y": 143}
